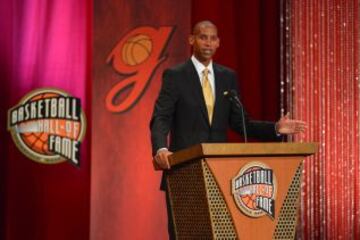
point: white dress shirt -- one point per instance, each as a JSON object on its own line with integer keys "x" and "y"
{"x": 200, "y": 68}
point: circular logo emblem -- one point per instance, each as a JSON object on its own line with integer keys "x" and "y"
{"x": 48, "y": 126}
{"x": 137, "y": 49}
{"x": 254, "y": 190}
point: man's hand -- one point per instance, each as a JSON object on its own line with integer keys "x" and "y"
{"x": 290, "y": 126}
{"x": 162, "y": 158}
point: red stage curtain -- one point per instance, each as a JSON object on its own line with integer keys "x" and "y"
{"x": 250, "y": 44}
{"x": 323, "y": 88}
{"x": 43, "y": 44}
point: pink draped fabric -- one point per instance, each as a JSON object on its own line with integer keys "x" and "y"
{"x": 43, "y": 44}
{"x": 50, "y": 44}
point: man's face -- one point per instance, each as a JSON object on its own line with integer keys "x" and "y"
{"x": 204, "y": 42}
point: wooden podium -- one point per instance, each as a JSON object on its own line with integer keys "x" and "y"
{"x": 237, "y": 191}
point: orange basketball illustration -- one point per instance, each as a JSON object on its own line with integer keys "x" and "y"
{"x": 136, "y": 49}
{"x": 34, "y": 140}
{"x": 38, "y": 141}
{"x": 249, "y": 200}
{"x": 249, "y": 197}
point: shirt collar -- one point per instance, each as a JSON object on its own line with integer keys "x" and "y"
{"x": 200, "y": 67}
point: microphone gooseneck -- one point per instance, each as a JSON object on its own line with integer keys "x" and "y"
{"x": 233, "y": 97}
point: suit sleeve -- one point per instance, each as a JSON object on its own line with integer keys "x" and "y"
{"x": 163, "y": 113}
{"x": 262, "y": 130}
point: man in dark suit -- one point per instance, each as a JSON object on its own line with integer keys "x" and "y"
{"x": 192, "y": 106}
{"x": 182, "y": 110}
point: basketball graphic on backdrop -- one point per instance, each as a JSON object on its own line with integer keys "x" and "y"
{"x": 136, "y": 49}
{"x": 135, "y": 57}
{"x": 48, "y": 126}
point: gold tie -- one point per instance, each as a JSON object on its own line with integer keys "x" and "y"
{"x": 208, "y": 95}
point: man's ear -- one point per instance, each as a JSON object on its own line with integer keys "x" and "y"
{"x": 191, "y": 39}
{"x": 218, "y": 43}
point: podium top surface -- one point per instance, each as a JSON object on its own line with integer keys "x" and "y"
{"x": 208, "y": 150}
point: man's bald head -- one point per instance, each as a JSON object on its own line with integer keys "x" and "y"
{"x": 203, "y": 24}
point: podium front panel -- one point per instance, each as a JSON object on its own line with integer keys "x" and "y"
{"x": 203, "y": 204}
{"x": 198, "y": 208}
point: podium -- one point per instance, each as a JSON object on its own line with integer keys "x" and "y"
{"x": 237, "y": 191}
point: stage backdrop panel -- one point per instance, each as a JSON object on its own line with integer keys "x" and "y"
{"x": 43, "y": 44}
{"x": 322, "y": 75}
{"x": 134, "y": 41}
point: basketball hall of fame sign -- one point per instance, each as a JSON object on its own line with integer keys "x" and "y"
{"x": 254, "y": 190}
{"x": 48, "y": 125}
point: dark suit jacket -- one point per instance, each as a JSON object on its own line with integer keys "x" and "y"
{"x": 180, "y": 110}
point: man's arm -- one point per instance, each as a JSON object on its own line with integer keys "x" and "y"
{"x": 264, "y": 130}
{"x": 161, "y": 120}
{"x": 290, "y": 126}
{"x": 162, "y": 159}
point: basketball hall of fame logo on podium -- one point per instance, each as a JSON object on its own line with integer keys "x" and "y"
{"x": 48, "y": 125}
{"x": 254, "y": 190}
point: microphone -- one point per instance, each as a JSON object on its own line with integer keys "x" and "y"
{"x": 233, "y": 97}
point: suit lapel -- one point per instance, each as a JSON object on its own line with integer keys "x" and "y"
{"x": 196, "y": 89}
{"x": 218, "y": 93}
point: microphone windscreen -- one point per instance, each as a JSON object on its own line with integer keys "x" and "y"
{"x": 233, "y": 92}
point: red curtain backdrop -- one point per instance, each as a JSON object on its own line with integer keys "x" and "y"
{"x": 250, "y": 44}
{"x": 322, "y": 39}
{"x": 43, "y": 44}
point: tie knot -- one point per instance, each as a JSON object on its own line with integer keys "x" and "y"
{"x": 206, "y": 72}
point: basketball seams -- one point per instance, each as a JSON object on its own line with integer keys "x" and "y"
{"x": 136, "y": 49}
